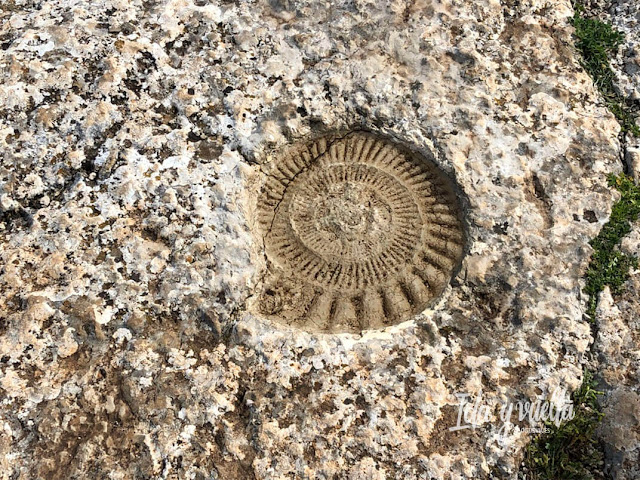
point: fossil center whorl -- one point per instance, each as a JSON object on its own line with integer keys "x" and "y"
{"x": 359, "y": 233}
{"x": 353, "y": 213}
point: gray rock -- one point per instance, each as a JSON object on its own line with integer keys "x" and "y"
{"x": 617, "y": 348}
{"x": 632, "y": 159}
{"x": 624, "y": 15}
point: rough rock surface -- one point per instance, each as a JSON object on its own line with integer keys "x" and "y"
{"x": 617, "y": 349}
{"x": 617, "y": 345}
{"x": 625, "y": 17}
{"x": 133, "y": 138}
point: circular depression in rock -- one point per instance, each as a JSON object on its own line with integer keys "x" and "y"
{"x": 359, "y": 233}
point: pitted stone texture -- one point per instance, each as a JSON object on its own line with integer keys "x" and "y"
{"x": 131, "y": 138}
{"x": 617, "y": 348}
{"x": 625, "y": 17}
{"x": 632, "y": 158}
{"x": 359, "y": 232}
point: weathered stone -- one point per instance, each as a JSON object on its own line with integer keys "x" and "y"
{"x": 624, "y": 15}
{"x": 632, "y": 159}
{"x": 134, "y": 138}
{"x": 617, "y": 349}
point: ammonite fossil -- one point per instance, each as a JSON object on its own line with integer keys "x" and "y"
{"x": 359, "y": 233}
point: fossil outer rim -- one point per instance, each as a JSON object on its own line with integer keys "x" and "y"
{"x": 359, "y": 232}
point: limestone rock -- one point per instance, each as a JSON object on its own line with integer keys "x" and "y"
{"x": 617, "y": 347}
{"x": 134, "y": 140}
{"x": 624, "y": 15}
{"x": 632, "y": 159}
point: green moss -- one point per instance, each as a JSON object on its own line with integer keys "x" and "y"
{"x": 609, "y": 266}
{"x": 569, "y": 452}
{"x": 596, "y": 41}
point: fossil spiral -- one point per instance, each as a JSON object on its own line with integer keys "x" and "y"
{"x": 359, "y": 233}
